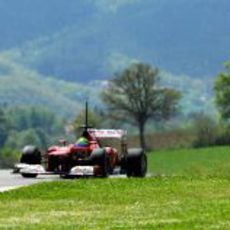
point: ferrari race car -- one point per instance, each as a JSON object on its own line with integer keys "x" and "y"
{"x": 89, "y": 156}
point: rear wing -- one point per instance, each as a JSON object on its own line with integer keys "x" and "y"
{"x": 108, "y": 133}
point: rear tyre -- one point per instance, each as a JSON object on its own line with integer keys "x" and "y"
{"x": 136, "y": 163}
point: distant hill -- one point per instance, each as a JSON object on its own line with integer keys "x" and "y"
{"x": 24, "y": 87}
{"x": 87, "y": 40}
{"x": 56, "y": 53}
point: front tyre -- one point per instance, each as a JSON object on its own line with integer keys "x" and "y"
{"x": 31, "y": 155}
{"x": 29, "y": 175}
{"x": 99, "y": 158}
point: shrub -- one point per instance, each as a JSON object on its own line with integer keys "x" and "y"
{"x": 205, "y": 130}
{"x": 8, "y": 157}
{"x": 223, "y": 137}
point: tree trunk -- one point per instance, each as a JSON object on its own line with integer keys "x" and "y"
{"x": 142, "y": 134}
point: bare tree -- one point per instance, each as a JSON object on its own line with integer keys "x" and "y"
{"x": 135, "y": 96}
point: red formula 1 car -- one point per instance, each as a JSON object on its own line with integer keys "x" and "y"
{"x": 88, "y": 157}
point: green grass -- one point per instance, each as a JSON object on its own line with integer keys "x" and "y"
{"x": 190, "y": 200}
{"x": 151, "y": 203}
{"x": 204, "y": 162}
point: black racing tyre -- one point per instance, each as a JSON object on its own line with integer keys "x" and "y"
{"x": 67, "y": 176}
{"x": 136, "y": 164}
{"x": 100, "y": 158}
{"x": 31, "y": 155}
{"x": 29, "y": 175}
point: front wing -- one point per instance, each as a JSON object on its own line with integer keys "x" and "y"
{"x": 40, "y": 170}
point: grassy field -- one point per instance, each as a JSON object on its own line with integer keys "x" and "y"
{"x": 205, "y": 162}
{"x": 178, "y": 198}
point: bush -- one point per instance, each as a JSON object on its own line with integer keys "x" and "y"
{"x": 224, "y": 135}
{"x": 8, "y": 157}
{"x": 205, "y": 129}
{"x": 173, "y": 139}
{"x": 17, "y": 140}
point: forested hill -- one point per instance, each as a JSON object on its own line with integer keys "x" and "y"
{"x": 23, "y": 87}
{"x": 86, "y": 40}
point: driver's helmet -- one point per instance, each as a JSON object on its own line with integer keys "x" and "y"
{"x": 82, "y": 142}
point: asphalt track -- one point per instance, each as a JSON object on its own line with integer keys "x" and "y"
{"x": 9, "y": 181}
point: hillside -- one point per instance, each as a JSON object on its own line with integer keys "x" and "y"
{"x": 88, "y": 40}
{"x": 44, "y": 45}
{"x": 21, "y": 86}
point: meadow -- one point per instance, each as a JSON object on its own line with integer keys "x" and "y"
{"x": 203, "y": 162}
{"x": 188, "y": 189}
